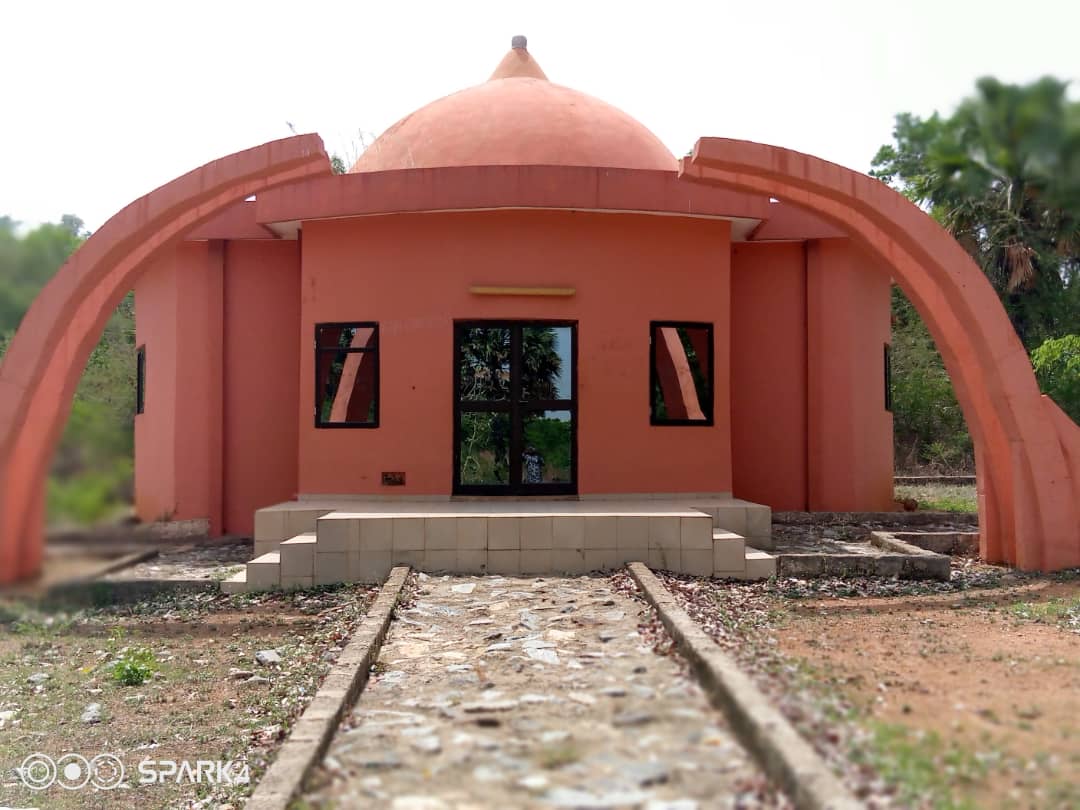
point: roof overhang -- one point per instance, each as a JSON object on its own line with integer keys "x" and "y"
{"x": 279, "y": 213}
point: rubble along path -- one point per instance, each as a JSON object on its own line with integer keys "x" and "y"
{"x": 504, "y": 692}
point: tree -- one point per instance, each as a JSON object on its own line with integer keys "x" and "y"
{"x": 928, "y": 426}
{"x": 92, "y": 470}
{"x": 1057, "y": 366}
{"x": 28, "y": 261}
{"x": 1002, "y": 174}
{"x": 485, "y": 363}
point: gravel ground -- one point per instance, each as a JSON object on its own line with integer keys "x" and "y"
{"x": 199, "y": 562}
{"x": 499, "y": 692}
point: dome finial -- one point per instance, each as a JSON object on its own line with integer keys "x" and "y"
{"x": 518, "y": 63}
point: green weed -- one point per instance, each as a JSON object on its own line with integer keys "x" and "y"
{"x": 923, "y": 768}
{"x": 134, "y": 667}
{"x": 941, "y": 497}
{"x": 1064, "y": 613}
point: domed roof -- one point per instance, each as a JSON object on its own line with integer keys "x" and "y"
{"x": 517, "y": 117}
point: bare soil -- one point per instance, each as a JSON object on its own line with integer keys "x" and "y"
{"x": 989, "y": 684}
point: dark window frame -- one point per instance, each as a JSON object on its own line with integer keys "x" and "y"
{"x": 709, "y": 405}
{"x": 375, "y": 349}
{"x": 140, "y": 380}
{"x": 515, "y": 410}
{"x": 888, "y": 378}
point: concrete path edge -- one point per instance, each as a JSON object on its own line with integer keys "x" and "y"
{"x": 311, "y": 734}
{"x": 787, "y": 759}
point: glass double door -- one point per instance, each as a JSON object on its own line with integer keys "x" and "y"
{"x": 515, "y": 408}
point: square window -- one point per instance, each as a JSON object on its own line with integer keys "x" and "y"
{"x": 347, "y": 375}
{"x": 681, "y": 373}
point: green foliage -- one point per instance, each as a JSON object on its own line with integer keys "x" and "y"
{"x": 552, "y": 440}
{"x": 485, "y": 366}
{"x": 484, "y": 375}
{"x": 27, "y": 262}
{"x": 485, "y": 444}
{"x": 1002, "y": 174}
{"x": 941, "y": 497}
{"x": 92, "y": 469}
{"x": 928, "y": 425}
{"x": 91, "y": 496}
{"x": 926, "y": 771}
{"x": 1063, "y": 612}
{"x": 135, "y": 666}
{"x": 1057, "y": 367}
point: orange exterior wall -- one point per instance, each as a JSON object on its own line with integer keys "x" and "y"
{"x": 768, "y": 374}
{"x": 262, "y": 358}
{"x": 850, "y": 448}
{"x": 155, "y": 428}
{"x": 412, "y": 274}
{"x": 178, "y": 441}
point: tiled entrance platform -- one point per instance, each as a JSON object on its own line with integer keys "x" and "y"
{"x": 321, "y": 541}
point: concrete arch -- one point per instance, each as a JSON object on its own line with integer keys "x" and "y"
{"x": 1027, "y": 450}
{"x": 46, "y": 357}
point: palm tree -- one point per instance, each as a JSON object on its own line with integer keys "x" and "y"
{"x": 485, "y": 363}
{"x": 1002, "y": 174}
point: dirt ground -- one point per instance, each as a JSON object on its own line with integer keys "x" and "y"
{"x": 209, "y": 699}
{"x": 982, "y": 687}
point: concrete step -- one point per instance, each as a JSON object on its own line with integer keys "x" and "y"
{"x": 745, "y": 518}
{"x": 298, "y": 561}
{"x": 759, "y": 564}
{"x": 308, "y": 543}
{"x": 237, "y": 583}
{"x": 360, "y": 547}
{"x": 275, "y": 524}
{"x": 729, "y": 554}
{"x": 264, "y": 572}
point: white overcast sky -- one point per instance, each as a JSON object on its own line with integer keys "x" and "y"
{"x": 103, "y": 101}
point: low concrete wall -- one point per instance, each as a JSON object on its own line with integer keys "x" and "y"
{"x": 914, "y": 562}
{"x": 176, "y": 531}
{"x": 890, "y": 518}
{"x": 916, "y": 480}
{"x": 941, "y": 542}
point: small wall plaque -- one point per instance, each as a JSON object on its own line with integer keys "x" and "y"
{"x": 393, "y": 479}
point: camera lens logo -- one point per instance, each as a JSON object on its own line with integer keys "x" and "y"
{"x": 72, "y": 772}
{"x": 37, "y": 772}
{"x": 106, "y": 771}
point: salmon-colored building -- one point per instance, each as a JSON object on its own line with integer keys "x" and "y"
{"x": 521, "y": 336}
{"x": 511, "y": 293}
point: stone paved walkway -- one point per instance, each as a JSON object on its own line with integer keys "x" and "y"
{"x": 499, "y": 692}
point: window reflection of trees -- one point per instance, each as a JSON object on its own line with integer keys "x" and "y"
{"x": 484, "y": 376}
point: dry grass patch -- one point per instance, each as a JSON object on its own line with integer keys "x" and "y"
{"x": 940, "y": 497}
{"x": 175, "y": 678}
